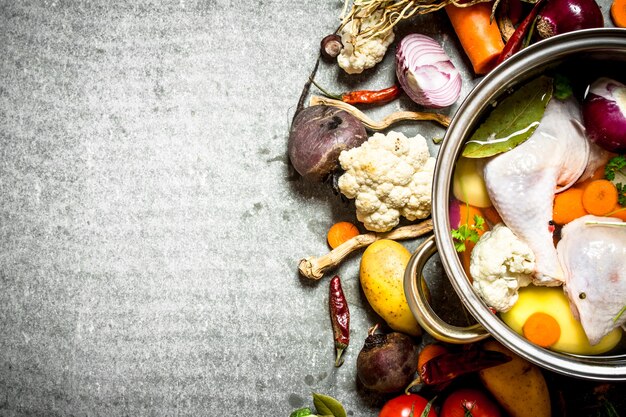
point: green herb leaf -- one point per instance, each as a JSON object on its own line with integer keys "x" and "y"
{"x": 512, "y": 121}
{"x": 301, "y": 412}
{"x": 621, "y": 194}
{"x": 562, "y": 87}
{"x": 614, "y": 165}
{"x": 429, "y": 405}
{"x": 466, "y": 233}
{"x": 328, "y": 406}
{"x": 622, "y": 311}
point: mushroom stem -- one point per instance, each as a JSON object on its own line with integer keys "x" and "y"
{"x": 387, "y": 121}
{"x": 314, "y": 268}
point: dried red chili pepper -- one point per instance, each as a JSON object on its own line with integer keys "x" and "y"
{"x": 371, "y": 96}
{"x": 447, "y": 366}
{"x": 365, "y": 96}
{"x": 340, "y": 318}
{"x": 515, "y": 42}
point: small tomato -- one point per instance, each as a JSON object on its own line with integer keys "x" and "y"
{"x": 402, "y": 405}
{"x": 466, "y": 402}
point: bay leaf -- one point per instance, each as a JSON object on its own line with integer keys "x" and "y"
{"x": 328, "y": 406}
{"x": 512, "y": 121}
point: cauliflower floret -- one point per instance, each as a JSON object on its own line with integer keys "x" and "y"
{"x": 358, "y": 53}
{"x": 500, "y": 265}
{"x": 389, "y": 176}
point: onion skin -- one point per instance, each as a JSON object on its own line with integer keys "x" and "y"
{"x": 426, "y": 73}
{"x": 561, "y": 16}
{"x": 318, "y": 135}
{"x": 604, "y": 114}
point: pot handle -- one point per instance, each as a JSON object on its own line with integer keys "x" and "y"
{"x": 423, "y": 312}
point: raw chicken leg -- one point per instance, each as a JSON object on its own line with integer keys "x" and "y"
{"x": 521, "y": 182}
{"x": 594, "y": 261}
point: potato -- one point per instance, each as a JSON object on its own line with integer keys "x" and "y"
{"x": 468, "y": 184}
{"x": 519, "y": 386}
{"x": 553, "y": 301}
{"x": 382, "y": 276}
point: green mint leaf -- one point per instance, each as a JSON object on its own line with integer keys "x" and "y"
{"x": 328, "y": 406}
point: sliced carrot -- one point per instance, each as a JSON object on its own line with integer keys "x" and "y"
{"x": 619, "y": 212}
{"x": 542, "y": 329}
{"x": 600, "y": 197}
{"x": 618, "y": 13}
{"x": 340, "y": 233}
{"x": 480, "y": 37}
{"x": 568, "y": 205}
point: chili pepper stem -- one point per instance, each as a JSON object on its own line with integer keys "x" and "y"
{"x": 326, "y": 93}
{"x": 339, "y": 356}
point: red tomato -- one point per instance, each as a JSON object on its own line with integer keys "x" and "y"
{"x": 402, "y": 405}
{"x": 466, "y": 402}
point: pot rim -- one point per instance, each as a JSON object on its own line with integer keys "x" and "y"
{"x": 514, "y": 70}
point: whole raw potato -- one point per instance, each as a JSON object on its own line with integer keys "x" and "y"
{"x": 382, "y": 276}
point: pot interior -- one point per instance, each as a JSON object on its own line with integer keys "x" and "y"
{"x": 580, "y": 57}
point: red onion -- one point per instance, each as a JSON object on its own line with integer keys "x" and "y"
{"x": 560, "y": 16}
{"x": 604, "y": 114}
{"x": 426, "y": 73}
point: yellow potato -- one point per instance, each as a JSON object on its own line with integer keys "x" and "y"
{"x": 468, "y": 184}
{"x": 382, "y": 275}
{"x": 554, "y": 302}
{"x": 519, "y": 386}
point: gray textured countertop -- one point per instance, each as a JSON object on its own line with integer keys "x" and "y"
{"x": 149, "y": 235}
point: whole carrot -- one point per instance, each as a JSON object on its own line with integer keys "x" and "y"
{"x": 479, "y": 35}
{"x": 340, "y": 318}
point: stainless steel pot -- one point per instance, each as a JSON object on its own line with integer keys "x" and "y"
{"x": 593, "y": 45}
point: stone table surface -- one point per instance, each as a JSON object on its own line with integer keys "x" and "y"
{"x": 149, "y": 225}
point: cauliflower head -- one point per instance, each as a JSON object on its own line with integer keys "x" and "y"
{"x": 360, "y": 53}
{"x": 388, "y": 176}
{"x": 500, "y": 264}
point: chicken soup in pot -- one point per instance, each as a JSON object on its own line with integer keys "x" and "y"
{"x": 538, "y": 209}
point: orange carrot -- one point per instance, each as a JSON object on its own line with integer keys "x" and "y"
{"x": 568, "y": 205}
{"x": 619, "y": 212}
{"x": 618, "y": 13}
{"x": 479, "y": 35}
{"x": 542, "y": 329}
{"x": 467, "y": 214}
{"x": 340, "y": 233}
{"x": 600, "y": 197}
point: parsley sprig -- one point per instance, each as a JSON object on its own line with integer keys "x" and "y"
{"x": 466, "y": 232}
{"x": 616, "y": 165}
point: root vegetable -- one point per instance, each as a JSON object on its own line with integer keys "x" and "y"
{"x": 389, "y": 120}
{"x": 561, "y": 16}
{"x": 341, "y": 232}
{"x": 315, "y": 268}
{"x": 318, "y": 135}
{"x": 599, "y": 197}
{"x": 478, "y": 33}
{"x": 508, "y": 381}
{"x": 387, "y": 362}
{"x": 568, "y": 205}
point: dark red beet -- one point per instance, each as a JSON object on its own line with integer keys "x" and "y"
{"x": 387, "y": 362}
